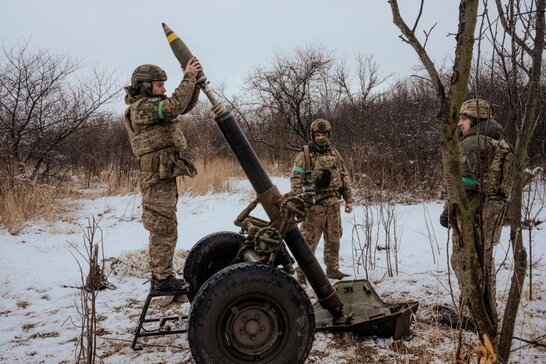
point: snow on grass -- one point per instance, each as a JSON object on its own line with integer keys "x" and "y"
{"x": 37, "y": 269}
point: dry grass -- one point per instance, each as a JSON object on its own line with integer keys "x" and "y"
{"x": 212, "y": 177}
{"x": 25, "y": 201}
{"x": 116, "y": 181}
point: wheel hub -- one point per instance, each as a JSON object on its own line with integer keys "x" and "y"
{"x": 252, "y": 330}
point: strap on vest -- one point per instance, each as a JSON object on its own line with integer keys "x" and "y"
{"x": 339, "y": 160}
{"x": 307, "y": 157}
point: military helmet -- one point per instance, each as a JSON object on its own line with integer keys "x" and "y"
{"x": 147, "y": 73}
{"x": 476, "y": 108}
{"x": 320, "y": 126}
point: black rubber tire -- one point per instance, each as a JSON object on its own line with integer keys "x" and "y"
{"x": 281, "y": 324}
{"x": 212, "y": 253}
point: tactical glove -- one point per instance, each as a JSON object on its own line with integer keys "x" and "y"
{"x": 444, "y": 219}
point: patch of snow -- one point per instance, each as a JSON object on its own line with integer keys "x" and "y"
{"x": 38, "y": 267}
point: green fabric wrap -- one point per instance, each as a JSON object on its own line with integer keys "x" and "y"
{"x": 160, "y": 110}
{"x": 469, "y": 181}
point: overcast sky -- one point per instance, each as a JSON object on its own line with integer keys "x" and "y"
{"x": 229, "y": 37}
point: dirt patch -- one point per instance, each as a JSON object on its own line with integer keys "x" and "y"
{"x": 43, "y": 335}
{"x": 101, "y": 318}
{"x": 27, "y": 327}
{"x": 23, "y": 304}
{"x": 102, "y": 332}
{"x": 135, "y": 263}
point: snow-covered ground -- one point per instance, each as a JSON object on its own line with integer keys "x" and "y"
{"x": 37, "y": 269}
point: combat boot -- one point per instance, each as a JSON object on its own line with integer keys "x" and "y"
{"x": 170, "y": 284}
{"x": 335, "y": 274}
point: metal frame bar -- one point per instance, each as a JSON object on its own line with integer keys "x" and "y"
{"x": 160, "y": 330}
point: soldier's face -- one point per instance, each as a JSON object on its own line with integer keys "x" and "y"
{"x": 158, "y": 88}
{"x": 321, "y": 138}
{"x": 464, "y": 124}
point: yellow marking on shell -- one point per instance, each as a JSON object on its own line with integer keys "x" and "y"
{"x": 172, "y": 37}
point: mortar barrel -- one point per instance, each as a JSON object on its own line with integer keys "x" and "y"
{"x": 268, "y": 194}
{"x": 263, "y": 186}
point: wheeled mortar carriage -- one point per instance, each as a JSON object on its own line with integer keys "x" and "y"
{"x": 246, "y": 307}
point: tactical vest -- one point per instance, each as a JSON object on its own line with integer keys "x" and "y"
{"x": 153, "y": 137}
{"x": 498, "y": 181}
{"x": 329, "y": 161}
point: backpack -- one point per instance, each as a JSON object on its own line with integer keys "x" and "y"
{"x": 500, "y": 176}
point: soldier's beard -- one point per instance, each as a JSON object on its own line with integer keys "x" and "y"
{"x": 322, "y": 141}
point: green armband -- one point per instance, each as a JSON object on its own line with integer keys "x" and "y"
{"x": 299, "y": 169}
{"x": 469, "y": 181}
{"x": 160, "y": 110}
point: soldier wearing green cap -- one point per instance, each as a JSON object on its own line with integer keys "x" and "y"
{"x": 485, "y": 164}
{"x": 321, "y": 166}
{"x": 157, "y": 140}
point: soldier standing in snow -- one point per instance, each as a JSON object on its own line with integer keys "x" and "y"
{"x": 157, "y": 141}
{"x": 321, "y": 165}
{"x": 485, "y": 163}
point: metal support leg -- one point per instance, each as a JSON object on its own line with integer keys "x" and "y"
{"x": 161, "y": 330}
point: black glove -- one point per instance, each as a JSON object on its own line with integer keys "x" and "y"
{"x": 444, "y": 219}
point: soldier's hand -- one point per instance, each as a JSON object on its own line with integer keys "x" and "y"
{"x": 348, "y": 207}
{"x": 193, "y": 67}
{"x": 444, "y": 219}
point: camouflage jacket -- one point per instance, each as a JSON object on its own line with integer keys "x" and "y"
{"x": 155, "y": 134}
{"x": 476, "y": 150}
{"x": 325, "y": 162}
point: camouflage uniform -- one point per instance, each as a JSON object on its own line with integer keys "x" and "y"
{"x": 477, "y": 150}
{"x": 157, "y": 140}
{"x": 323, "y": 217}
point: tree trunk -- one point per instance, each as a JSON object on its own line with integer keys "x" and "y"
{"x": 472, "y": 277}
{"x": 522, "y": 145}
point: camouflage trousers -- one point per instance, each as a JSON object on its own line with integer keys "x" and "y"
{"x": 323, "y": 220}
{"x": 159, "y": 218}
{"x": 487, "y": 231}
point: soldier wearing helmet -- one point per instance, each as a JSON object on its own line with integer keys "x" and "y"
{"x": 484, "y": 157}
{"x": 321, "y": 166}
{"x": 157, "y": 140}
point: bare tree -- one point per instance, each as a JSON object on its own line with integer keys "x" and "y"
{"x": 41, "y": 104}
{"x": 295, "y": 90}
{"x": 526, "y": 55}
{"x": 450, "y": 98}
{"x": 368, "y": 79}
{"x": 525, "y": 25}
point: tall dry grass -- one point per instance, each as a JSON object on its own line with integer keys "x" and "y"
{"x": 216, "y": 176}
{"x": 25, "y": 201}
{"x": 113, "y": 181}
{"x": 212, "y": 177}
